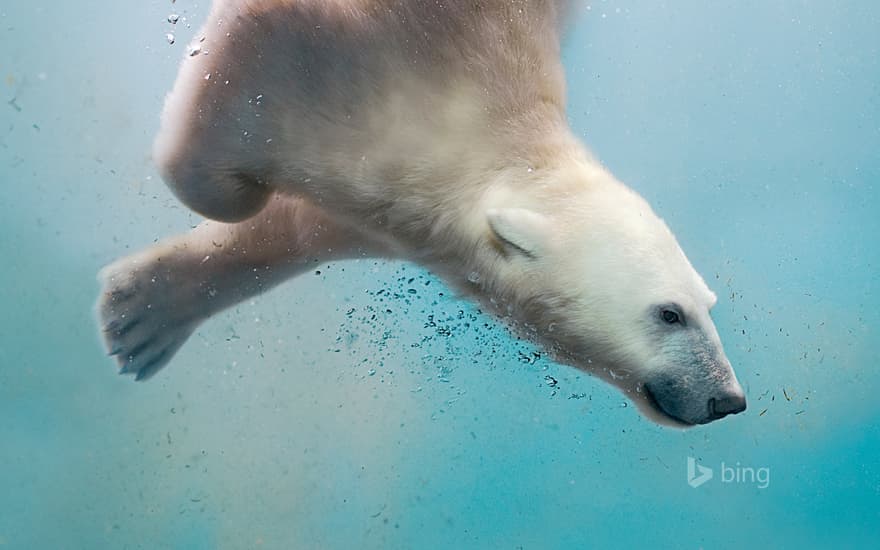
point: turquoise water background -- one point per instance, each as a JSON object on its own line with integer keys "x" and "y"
{"x": 296, "y": 421}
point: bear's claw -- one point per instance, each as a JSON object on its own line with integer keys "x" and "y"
{"x": 143, "y": 316}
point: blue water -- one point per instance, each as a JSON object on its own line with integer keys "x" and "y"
{"x": 296, "y": 421}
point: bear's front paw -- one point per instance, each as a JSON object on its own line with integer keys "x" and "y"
{"x": 144, "y": 313}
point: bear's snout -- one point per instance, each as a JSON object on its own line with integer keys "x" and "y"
{"x": 676, "y": 400}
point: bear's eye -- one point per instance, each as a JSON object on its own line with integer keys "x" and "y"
{"x": 670, "y": 317}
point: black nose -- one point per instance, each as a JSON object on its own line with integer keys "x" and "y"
{"x": 728, "y": 404}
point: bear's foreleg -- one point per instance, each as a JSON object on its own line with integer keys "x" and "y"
{"x": 153, "y": 300}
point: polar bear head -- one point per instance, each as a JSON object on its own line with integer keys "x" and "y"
{"x": 604, "y": 284}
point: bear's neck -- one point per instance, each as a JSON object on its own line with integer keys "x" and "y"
{"x": 458, "y": 245}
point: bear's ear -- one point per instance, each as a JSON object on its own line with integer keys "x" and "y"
{"x": 519, "y": 230}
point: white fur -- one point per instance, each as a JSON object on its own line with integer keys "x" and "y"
{"x": 434, "y": 132}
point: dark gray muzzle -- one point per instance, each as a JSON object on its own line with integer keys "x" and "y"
{"x": 693, "y": 401}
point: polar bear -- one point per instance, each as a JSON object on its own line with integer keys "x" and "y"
{"x": 435, "y": 132}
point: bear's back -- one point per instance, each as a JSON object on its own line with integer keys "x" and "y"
{"x": 297, "y": 92}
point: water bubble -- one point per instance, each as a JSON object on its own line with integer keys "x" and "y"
{"x": 173, "y": 18}
{"x": 194, "y": 50}
{"x": 371, "y": 372}
{"x": 473, "y": 277}
{"x": 208, "y": 76}
{"x": 169, "y": 37}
